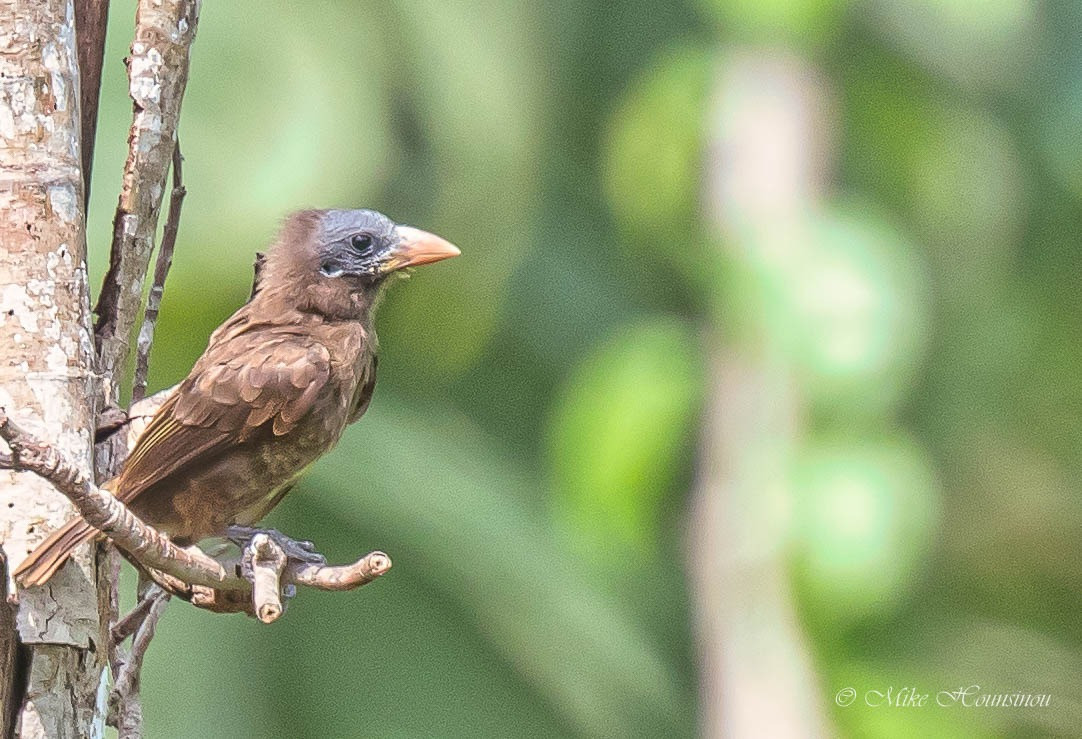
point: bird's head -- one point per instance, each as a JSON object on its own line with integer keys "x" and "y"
{"x": 367, "y": 246}
{"x": 336, "y": 261}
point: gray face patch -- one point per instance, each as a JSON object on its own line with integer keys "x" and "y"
{"x": 354, "y": 242}
{"x": 340, "y": 225}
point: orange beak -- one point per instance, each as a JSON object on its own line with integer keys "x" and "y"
{"x": 418, "y": 247}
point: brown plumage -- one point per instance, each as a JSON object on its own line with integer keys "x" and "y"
{"x": 276, "y": 386}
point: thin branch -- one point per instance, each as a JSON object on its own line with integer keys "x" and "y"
{"x": 91, "y": 21}
{"x": 161, "y": 272}
{"x": 187, "y": 572}
{"x": 126, "y": 706}
{"x": 129, "y": 624}
{"x": 158, "y": 74}
{"x": 267, "y": 562}
{"x": 340, "y": 577}
{"x": 107, "y": 514}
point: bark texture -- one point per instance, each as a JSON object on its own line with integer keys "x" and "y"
{"x": 158, "y": 75}
{"x": 46, "y": 379}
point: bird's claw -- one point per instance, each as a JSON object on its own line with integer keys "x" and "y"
{"x": 296, "y": 549}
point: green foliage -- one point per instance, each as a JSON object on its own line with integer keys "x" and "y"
{"x": 613, "y": 468}
{"x": 654, "y": 150}
{"x": 855, "y": 299}
{"x": 767, "y": 20}
{"x": 862, "y": 516}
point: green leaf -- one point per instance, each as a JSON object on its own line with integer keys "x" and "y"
{"x": 654, "y": 150}
{"x": 619, "y": 434}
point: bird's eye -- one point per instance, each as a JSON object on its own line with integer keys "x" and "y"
{"x": 361, "y": 242}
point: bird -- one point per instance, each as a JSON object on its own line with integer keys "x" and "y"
{"x": 275, "y": 388}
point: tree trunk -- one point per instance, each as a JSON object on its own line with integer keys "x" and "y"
{"x": 47, "y": 381}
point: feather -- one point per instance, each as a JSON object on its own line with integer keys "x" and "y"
{"x": 206, "y": 414}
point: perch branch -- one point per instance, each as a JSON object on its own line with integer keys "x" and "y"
{"x": 186, "y": 572}
{"x": 107, "y": 514}
{"x": 267, "y": 562}
{"x": 161, "y": 272}
{"x": 157, "y": 74}
{"x": 242, "y": 599}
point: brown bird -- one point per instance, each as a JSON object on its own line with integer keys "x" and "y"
{"x": 278, "y": 383}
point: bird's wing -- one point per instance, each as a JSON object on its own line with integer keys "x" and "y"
{"x": 253, "y": 383}
{"x": 364, "y": 392}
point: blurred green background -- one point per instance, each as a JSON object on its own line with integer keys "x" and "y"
{"x": 871, "y": 208}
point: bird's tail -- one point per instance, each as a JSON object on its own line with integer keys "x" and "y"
{"x": 52, "y": 553}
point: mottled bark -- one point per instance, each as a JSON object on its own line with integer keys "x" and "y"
{"x": 46, "y": 379}
{"x": 158, "y": 75}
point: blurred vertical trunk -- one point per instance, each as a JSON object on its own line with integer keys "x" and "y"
{"x": 57, "y": 681}
{"x": 765, "y": 173}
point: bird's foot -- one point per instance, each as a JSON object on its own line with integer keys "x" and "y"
{"x": 300, "y": 550}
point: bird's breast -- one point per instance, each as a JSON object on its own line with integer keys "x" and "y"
{"x": 243, "y": 484}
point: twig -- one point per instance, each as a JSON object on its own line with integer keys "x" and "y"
{"x": 187, "y": 572}
{"x": 161, "y": 272}
{"x": 340, "y": 577}
{"x": 125, "y": 703}
{"x": 129, "y": 624}
{"x": 91, "y": 21}
{"x": 158, "y": 74}
{"x": 268, "y": 560}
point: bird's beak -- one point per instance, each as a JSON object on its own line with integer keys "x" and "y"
{"x": 418, "y": 247}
